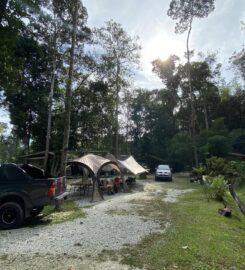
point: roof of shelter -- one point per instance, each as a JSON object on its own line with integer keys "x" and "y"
{"x": 95, "y": 163}
{"x": 113, "y": 158}
{"x": 132, "y": 165}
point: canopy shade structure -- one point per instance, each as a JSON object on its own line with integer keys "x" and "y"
{"x": 95, "y": 163}
{"x": 132, "y": 165}
{"x": 113, "y": 158}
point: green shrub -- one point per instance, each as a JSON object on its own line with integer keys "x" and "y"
{"x": 218, "y": 145}
{"x": 218, "y": 166}
{"x": 143, "y": 175}
{"x": 216, "y": 187}
{"x": 239, "y": 171}
{"x": 198, "y": 171}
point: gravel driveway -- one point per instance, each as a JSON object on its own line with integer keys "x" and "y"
{"x": 73, "y": 243}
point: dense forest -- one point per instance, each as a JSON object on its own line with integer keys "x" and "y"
{"x": 62, "y": 80}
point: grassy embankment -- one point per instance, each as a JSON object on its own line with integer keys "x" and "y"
{"x": 198, "y": 238}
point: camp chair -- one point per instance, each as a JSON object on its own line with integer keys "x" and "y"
{"x": 106, "y": 186}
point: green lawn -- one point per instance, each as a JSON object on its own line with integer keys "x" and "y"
{"x": 198, "y": 238}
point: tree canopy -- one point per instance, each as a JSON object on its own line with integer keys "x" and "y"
{"x": 47, "y": 47}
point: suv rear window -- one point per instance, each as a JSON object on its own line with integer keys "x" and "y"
{"x": 163, "y": 167}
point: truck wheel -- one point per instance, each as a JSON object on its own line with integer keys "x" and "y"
{"x": 11, "y": 215}
{"x": 36, "y": 211}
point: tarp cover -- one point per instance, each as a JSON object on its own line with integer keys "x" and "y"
{"x": 113, "y": 158}
{"x": 95, "y": 162}
{"x": 132, "y": 165}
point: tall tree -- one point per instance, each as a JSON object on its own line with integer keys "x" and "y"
{"x": 13, "y": 14}
{"x": 28, "y": 99}
{"x": 49, "y": 30}
{"x": 167, "y": 71}
{"x": 184, "y": 11}
{"x": 76, "y": 14}
{"x": 238, "y": 58}
{"x": 120, "y": 55}
{"x": 151, "y": 125}
{"x": 90, "y": 116}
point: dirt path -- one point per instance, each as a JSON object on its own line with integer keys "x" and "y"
{"x": 109, "y": 225}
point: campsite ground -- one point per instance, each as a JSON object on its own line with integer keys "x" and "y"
{"x": 159, "y": 225}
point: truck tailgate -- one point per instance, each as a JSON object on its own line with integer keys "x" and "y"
{"x": 58, "y": 186}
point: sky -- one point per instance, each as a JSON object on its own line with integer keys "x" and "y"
{"x": 219, "y": 32}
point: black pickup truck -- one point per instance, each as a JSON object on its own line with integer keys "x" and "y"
{"x": 24, "y": 191}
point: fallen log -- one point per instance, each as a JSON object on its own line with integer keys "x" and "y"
{"x": 237, "y": 200}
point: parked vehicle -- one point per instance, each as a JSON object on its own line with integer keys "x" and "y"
{"x": 24, "y": 191}
{"x": 163, "y": 172}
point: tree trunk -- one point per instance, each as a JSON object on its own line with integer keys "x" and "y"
{"x": 239, "y": 203}
{"x": 3, "y": 5}
{"x": 68, "y": 96}
{"x": 205, "y": 115}
{"x": 117, "y": 110}
{"x": 192, "y": 98}
{"x": 28, "y": 131}
{"x": 50, "y": 100}
{"x": 49, "y": 118}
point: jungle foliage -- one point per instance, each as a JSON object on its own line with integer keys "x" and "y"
{"x": 106, "y": 113}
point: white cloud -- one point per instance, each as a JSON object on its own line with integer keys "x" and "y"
{"x": 148, "y": 19}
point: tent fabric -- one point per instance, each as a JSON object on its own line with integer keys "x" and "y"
{"x": 94, "y": 162}
{"x": 133, "y": 166}
{"x": 113, "y": 158}
{"x": 110, "y": 167}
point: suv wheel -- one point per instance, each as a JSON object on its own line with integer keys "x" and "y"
{"x": 11, "y": 215}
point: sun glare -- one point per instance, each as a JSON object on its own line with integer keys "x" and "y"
{"x": 161, "y": 47}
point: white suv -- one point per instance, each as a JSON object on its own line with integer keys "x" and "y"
{"x": 163, "y": 172}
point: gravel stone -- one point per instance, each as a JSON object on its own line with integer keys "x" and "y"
{"x": 77, "y": 242}
{"x": 99, "y": 231}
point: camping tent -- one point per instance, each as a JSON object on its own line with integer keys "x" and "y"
{"x": 95, "y": 163}
{"x": 113, "y": 158}
{"x": 132, "y": 165}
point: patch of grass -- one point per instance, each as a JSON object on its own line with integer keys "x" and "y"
{"x": 154, "y": 209}
{"x": 4, "y": 257}
{"x": 198, "y": 238}
{"x": 241, "y": 193}
{"x": 69, "y": 211}
{"x": 117, "y": 212}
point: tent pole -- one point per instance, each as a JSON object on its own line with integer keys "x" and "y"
{"x": 96, "y": 189}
